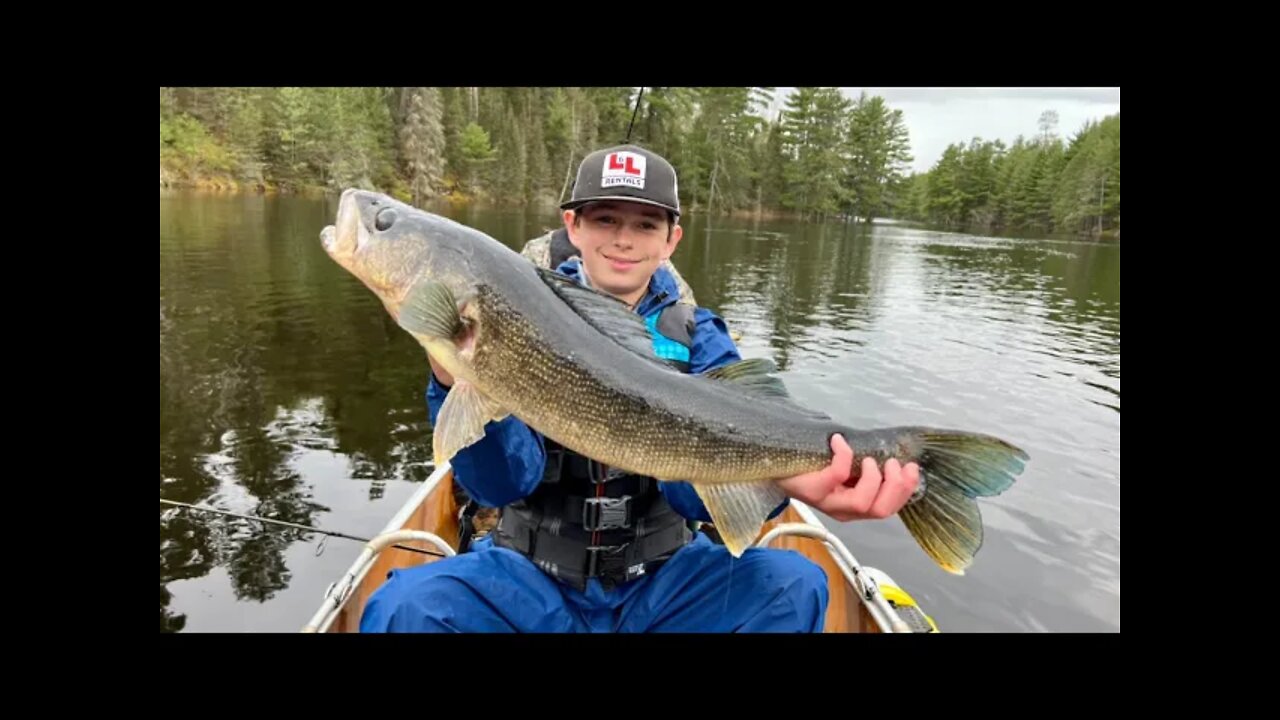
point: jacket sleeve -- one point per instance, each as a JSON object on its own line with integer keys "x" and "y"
{"x": 712, "y": 348}
{"x": 504, "y": 466}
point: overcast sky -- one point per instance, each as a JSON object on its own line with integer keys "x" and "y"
{"x": 937, "y": 117}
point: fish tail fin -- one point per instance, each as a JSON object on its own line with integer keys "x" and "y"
{"x": 956, "y": 468}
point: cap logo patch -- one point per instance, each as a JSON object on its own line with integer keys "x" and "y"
{"x": 623, "y": 168}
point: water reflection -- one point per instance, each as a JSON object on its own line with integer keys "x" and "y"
{"x": 281, "y": 376}
{"x": 265, "y": 351}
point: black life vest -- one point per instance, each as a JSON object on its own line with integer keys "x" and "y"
{"x": 585, "y": 520}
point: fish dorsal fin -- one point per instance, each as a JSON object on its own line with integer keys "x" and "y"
{"x": 605, "y": 313}
{"x": 755, "y": 374}
{"x": 757, "y": 378}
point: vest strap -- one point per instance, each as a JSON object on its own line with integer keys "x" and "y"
{"x": 574, "y": 562}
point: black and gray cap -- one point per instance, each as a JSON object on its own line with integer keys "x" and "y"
{"x": 625, "y": 172}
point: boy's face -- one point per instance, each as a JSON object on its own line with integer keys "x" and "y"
{"x": 622, "y": 244}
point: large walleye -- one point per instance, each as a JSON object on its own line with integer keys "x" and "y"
{"x": 578, "y": 366}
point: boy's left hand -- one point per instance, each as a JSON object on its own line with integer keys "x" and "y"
{"x": 833, "y": 491}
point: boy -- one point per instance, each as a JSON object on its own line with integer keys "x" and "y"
{"x": 584, "y": 548}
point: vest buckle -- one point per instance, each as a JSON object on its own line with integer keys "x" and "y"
{"x": 606, "y": 513}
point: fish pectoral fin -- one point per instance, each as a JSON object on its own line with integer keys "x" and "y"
{"x": 431, "y": 310}
{"x": 739, "y": 510}
{"x": 461, "y": 421}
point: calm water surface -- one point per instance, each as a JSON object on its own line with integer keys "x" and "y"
{"x": 286, "y": 391}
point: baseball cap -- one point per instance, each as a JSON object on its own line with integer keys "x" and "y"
{"x": 625, "y": 172}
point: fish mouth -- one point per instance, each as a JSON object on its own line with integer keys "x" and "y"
{"x": 345, "y": 236}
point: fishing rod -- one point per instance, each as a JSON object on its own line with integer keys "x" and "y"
{"x": 296, "y": 526}
{"x": 633, "y": 116}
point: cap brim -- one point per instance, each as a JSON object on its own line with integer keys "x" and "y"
{"x": 575, "y": 204}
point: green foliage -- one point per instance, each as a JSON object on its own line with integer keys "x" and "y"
{"x": 1036, "y": 186}
{"x": 188, "y": 149}
{"x": 822, "y": 154}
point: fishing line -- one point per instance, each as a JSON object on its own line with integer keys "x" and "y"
{"x": 296, "y": 526}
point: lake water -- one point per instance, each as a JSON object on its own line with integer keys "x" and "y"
{"x": 286, "y": 391}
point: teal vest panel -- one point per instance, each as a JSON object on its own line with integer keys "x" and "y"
{"x": 663, "y": 346}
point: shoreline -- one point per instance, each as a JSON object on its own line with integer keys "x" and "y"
{"x": 229, "y": 186}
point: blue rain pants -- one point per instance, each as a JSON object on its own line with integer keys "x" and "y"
{"x": 702, "y": 588}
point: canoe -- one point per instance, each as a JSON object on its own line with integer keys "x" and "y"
{"x": 862, "y": 599}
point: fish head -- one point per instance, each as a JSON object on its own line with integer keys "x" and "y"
{"x": 390, "y": 246}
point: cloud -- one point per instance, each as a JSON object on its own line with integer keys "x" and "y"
{"x": 938, "y": 117}
{"x": 936, "y": 96}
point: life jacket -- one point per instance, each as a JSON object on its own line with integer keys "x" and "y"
{"x": 586, "y": 520}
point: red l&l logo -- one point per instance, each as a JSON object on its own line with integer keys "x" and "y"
{"x": 628, "y": 167}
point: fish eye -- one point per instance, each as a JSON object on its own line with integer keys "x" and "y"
{"x": 386, "y": 218}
